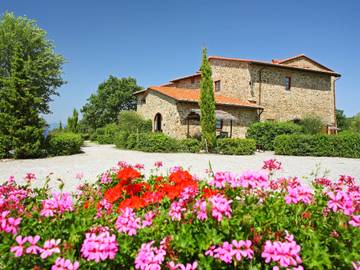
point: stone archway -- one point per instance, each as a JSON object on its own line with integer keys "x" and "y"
{"x": 158, "y": 122}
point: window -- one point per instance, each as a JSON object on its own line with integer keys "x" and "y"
{"x": 219, "y": 124}
{"x": 192, "y": 80}
{"x": 287, "y": 83}
{"x": 217, "y": 86}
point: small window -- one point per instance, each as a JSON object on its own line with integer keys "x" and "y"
{"x": 192, "y": 80}
{"x": 217, "y": 86}
{"x": 287, "y": 83}
{"x": 219, "y": 124}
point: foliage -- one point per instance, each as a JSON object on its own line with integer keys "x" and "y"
{"x": 265, "y": 132}
{"x": 355, "y": 123}
{"x": 5, "y": 146}
{"x": 73, "y": 121}
{"x": 107, "y": 134}
{"x": 173, "y": 220}
{"x": 121, "y": 140}
{"x": 132, "y": 122}
{"x": 312, "y": 124}
{"x": 207, "y": 104}
{"x": 233, "y": 146}
{"x": 190, "y": 145}
{"x": 30, "y": 73}
{"x": 342, "y": 122}
{"x": 155, "y": 142}
{"x": 112, "y": 96}
{"x": 63, "y": 143}
{"x": 342, "y": 145}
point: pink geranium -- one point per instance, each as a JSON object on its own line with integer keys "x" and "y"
{"x": 65, "y": 264}
{"x": 150, "y": 257}
{"x": 229, "y": 252}
{"x": 9, "y": 224}
{"x": 298, "y": 194}
{"x": 221, "y": 207}
{"x": 127, "y": 222}
{"x": 19, "y": 250}
{"x": 176, "y": 209}
{"x": 200, "y": 209}
{"x": 33, "y": 248}
{"x": 271, "y": 165}
{"x": 50, "y": 247}
{"x": 58, "y": 204}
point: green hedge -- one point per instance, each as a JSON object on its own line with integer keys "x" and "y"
{"x": 5, "y": 146}
{"x": 63, "y": 143}
{"x": 265, "y": 132}
{"x": 346, "y": 145}
{"x": 190, "y": 145}
{"x": 229, "y": 146}
{"x": 154, "y": 142}
{"x": 133, "y": 122}
{"x": 106, "y": 135}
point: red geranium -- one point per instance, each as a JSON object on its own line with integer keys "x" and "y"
{"x": 114, "y": 193}
{"x": 127, "y": 174}
{"x": 152, "y": 197}
{"x": 208, "y": 192}
{"x": 180, "y": 177}
{"x": 134, "y": 202}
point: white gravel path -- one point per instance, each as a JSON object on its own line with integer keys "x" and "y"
{"x": 98, "y": 158}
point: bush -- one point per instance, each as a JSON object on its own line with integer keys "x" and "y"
{"x": 121, "y": 140}
{"x": 63, "y": 143}
{"x": 355, "y": 123}
{"x": 232, "y": 146}
{"x": 342, "y": 145}
{"x": 154, "y": 142}
{"x": 132, "y": 122}
{"x": 250, "y": 220}
{"x": 106, "y": 135}
{"x": 189, "y": 145}
{"x": 265, "y": 132}
{"x": 5, "y": 146}
{"x": 312, "y": 125}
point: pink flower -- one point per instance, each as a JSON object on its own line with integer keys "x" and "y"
{"x": 341, "y": 201}
{"x": 284, "y": 253}
{"x": 252, "y": 179}
{"x": 200, "y": 209}
{"x": 149, "y": 216}
{"x": 127, "y": 222}
{"x": 355, "y": 221}
{"x": 158, "y": 164}
{"x": 29, "y": 177}
{"x": 149, "y": 257}
{"x": 58, "y": 204}
{"x": 99, "y": 246}
{"x": 298, "y": 194}
{"x": 220, "y": 207}
{"x": 242, "y": 249}
{"x": 139, "y": 166}
{"x": 356, "y": 265}
{"x": 33, "y": 248}
{"x": 62, "y": 264}
{"x": 103, "y": 205}
{"x": 79, "y": 175}
{"x": 188, "y": 266}
{"x": 272, "y": 164}
{"x": 19, "y": 250}
{"x": 176, "y": 208}
{"x": 50, "y": 247}
{"x": 9, "y": 224}
{"x": 105, "y": 178}
{"x": 188, "y": 193}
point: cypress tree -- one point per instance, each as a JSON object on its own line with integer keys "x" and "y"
{"x": 207, "y": 104}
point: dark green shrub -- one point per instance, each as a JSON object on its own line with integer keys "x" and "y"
{"x": 233, "y": 146}
{"x": 132, "y": 122}
{"x": 121, "y": 140}
{"x": 5, "y": 146}
{"x": 106, "y": 135}
{"x": 63, "y": 143}
{"x": 265, "y": 132}
{"x": 190, "y": 145}
{"x": 153, "y": 142}
{"x": 312, "y": 124}
{"x": 342, "y": 145}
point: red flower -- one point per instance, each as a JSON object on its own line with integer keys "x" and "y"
{"x": 152, "y": 197}
{"x": 208, "y": 192}
{"x": 114, "y": 193}
{"x": 134, "y": 202}
{"x": 180, "y": 177}
{"x": 127, "y": 174}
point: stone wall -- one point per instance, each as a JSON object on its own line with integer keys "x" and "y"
{"x": 302, "y": 62}
{"x": 190, "y": 83}
{"x": 310, "y": 94}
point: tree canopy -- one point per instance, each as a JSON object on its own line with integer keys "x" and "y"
{"x": 112, "y": 96}
{"x": 207, "y": 104}
{"x": 30, "y": 73}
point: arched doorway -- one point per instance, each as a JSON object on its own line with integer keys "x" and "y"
{"x": 157, "y": 122}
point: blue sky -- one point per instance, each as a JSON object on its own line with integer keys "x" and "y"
{"x": 155, "y": 41}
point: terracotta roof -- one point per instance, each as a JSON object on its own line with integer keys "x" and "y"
{"x": 283, "y": 61}
{"x": 278, "y": 63}
{"x": 198, "y": 74}
{"x": 193, "y": 95}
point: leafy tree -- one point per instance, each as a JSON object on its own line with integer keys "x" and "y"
{"x": 112, "y": 96}
{"x": 30, "y": 73}
{"x": 312, "y": 124}
{"x": 73, "y": 121}
{"x": 207, "y": 104}
{"x": 342, "y": 121}
{"x": 60, "y": 127}
{"x": 355, "y": 123}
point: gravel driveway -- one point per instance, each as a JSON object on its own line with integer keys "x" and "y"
{"x": 98, "y": 158}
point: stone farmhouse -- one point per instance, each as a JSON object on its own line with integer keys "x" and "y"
{"x": 245, "y": 91}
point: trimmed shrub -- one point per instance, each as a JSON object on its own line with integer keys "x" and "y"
{"x": 5, "y": 146}
{"x": 106, "y": 135}
{"x": 121, "y": 140}
{"x": 265, "y": 132}
{"x": 312, "y": 124}
{"x": 133, "y": 122}
{"x": 153, "y": 142}
{"x": 342, "y": 145}
{"x": 63, "y": 143}
{"x": 232, "y": 146}
{"x": 190, "y": 145}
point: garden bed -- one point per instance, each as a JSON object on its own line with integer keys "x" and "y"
{"x": 252, "y": 220}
